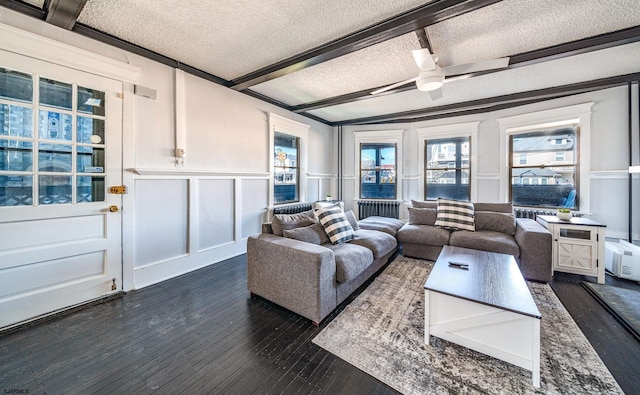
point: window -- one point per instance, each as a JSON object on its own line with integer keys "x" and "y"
{"x": 523, "y": 159}
{"x": 550, "y": 177}
{"x": 378, "y": 171}
{"x": 286, "y": 170}
{"x": 447, "y": 168}
{"x": 51, "y": 141}
{"x": 287, "y": 160}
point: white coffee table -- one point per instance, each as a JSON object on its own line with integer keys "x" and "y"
{"x": 487, "y": 308}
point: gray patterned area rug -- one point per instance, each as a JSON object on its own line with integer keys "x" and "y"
{"x": 382, "y": 333}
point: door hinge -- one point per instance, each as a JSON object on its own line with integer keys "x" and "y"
{"x": 118, "y": 190}
{"x": 113, "y": 285}
{"x": 597, "y": 263}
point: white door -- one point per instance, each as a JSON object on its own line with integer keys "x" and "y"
{"x": 60, "y": 152}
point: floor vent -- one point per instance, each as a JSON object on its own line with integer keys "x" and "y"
{"x": 380, "y": 208}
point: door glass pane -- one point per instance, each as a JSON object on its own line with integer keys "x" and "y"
{"x": 90, "y": 101}
{"x": 54, "y": 189}
{"x": 55, "y": 94}
{"x": 16, "y": 155}
{"x": 90, "y": 130}
{"x": 54, "y": 126}
{"x": 90, "y": 189}
{"x": 90, "y": 160}
{"x": 54, "y": 157}
{"x": 16, "y": 121}
{"x": 16, "y": 86}
{"x": 16, "y": 190}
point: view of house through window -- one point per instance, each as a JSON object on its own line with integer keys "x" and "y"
{"x": 286, "y": 168}
{"x": 447, "y": 168}
{"x": 52, "y": 137}
{"x": 549, "y": 177}
{"x": 378, "y": 171}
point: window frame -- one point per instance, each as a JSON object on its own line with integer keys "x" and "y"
{"x": 296, "y": 129}
{"x": 451, "y": 131}
{"x": 551, "y": 134}
{"x": 453, "y": 140}
{"x": 578, "y": 113}
{"x": 378, "y": 137}
{"x": 378, "y": 169}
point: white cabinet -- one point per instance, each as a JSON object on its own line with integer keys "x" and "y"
{"x": 578, "y": 245}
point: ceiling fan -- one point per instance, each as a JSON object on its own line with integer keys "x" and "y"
{"x": 432, "y": 76}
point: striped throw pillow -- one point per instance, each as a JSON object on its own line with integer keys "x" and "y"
{"x": 336, "y": 224}
{"x": 455, "y": 215}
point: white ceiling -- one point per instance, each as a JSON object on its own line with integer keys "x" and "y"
{"x": 230, "y": 39}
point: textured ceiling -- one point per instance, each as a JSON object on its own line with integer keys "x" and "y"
{"x": 230, "y": 39}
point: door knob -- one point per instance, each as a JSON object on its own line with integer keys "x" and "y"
{"x": 113, "y": 209}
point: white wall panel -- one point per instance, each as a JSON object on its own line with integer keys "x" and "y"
{"x": 313, "y": 189}
{"x": 160, "y": 220}
{"x": 254, "y": 206}
{"x": 609, "y": 200}
{"x": 215, "y": 214}
{"x": 488, "y": 190}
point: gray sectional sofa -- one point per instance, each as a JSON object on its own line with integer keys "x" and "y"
{"x": 293, "y": 264}
{"x": 496, "y": 230}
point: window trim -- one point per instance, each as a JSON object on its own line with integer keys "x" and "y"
{"x": 579, "y": 113}
{"x": 542, "y": 132}
{"x": 467, "y": 129}
{"x": 300, "y": 130}
{"x": 378, "y": 137}
{"x": 378, "y": 170}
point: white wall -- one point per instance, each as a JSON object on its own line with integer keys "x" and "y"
{"x": 608, "y": 173}
{"x": 180, "y": 218}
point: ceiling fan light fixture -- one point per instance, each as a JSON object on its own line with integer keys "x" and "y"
{"x": 430, "y": 80}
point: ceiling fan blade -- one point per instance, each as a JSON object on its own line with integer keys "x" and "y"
{"x": 491, "y": 64}
{"x": 436, "y": 94}
{"x": 389, "y": 87}
{"x": 423, "y": 59}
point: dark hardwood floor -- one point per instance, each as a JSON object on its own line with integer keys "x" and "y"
{"x": 202, "y": 333}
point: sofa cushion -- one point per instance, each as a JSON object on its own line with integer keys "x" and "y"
{"x": 455, "y": 215}
{"x": 382, "y": 224}
{"x": 422, "y": 216}
{"x": 281, "y": 222}
{"x": 351, "y": 260}
{"x": 336, "y": 225}
{"x": 496, "y": 207}
{"x": 423, "y": 204}
{"x": 379, "y": 243}
{"x": 485, "y": 240}
{"x": 351, "y": 217}
{"x": 500, "y": 222}
{"x": 313, "y": 234}
{"x": 423, "y": 234}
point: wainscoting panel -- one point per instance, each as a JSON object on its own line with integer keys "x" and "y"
{"x": 609, "y": 204}
{"x": 488, "y": 190}
{"x": 254, "y": 203}
{"x": 161, "y": 213}
{"x": 215, "y": 214}
{"x": 313, "y": 189}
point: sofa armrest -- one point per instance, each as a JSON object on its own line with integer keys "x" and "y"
{"x": 535, "y": 244}
{"x": 293, "y": 274}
